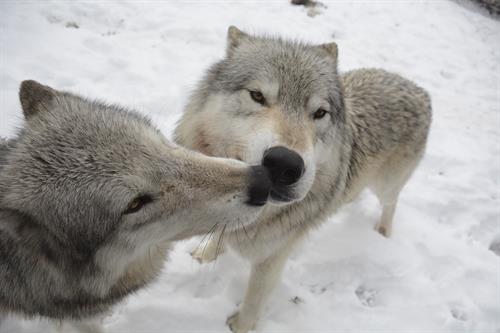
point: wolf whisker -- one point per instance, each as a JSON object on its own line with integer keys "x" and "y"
{"x": 219, "y": 242}
{"x": 209, "y": 234}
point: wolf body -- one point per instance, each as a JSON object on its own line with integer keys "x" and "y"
{"x": 366, "y": 128}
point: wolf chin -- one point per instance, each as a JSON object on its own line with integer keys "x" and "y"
{"x": 284, "y": 104}
{"x": 92, "y": 195}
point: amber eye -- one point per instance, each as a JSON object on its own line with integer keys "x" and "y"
{"x": 320, "y": 113}
{"x": 258, "y": 97}
{"x": 139, "y": 202}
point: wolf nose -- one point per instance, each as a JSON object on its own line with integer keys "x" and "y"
{"x": 285, "y": 165}
{"x": 260, "y": 186}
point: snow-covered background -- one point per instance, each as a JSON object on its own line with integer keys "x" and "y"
{"x": 437, "y": 273}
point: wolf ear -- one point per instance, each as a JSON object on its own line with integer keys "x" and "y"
{"x": 35, "y": 97}
{"x": 331, "y": 49}
{"x": 234, "y": 38}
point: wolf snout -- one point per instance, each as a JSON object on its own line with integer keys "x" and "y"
{"x": 281, "y": 168}
{"x": 259, "y": 187}
{"x": 285, "y": 166}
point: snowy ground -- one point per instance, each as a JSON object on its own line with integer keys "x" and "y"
{"x": 436, "y": 273}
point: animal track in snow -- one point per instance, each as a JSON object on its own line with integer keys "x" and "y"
{"x": 495, "y": 246}
{"x": 366, "y": 296}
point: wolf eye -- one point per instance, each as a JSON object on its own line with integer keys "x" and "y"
{"x": 258, "y": 97}
{"x": 139, "y": 202}
{"x": 320, "y": 113}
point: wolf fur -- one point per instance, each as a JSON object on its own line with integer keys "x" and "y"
{"x": 372, "y": 136}
{"x": 92, "y": 195}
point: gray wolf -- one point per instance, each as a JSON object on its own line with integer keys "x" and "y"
{"x": 92, "y": 195}
{"x": 332, "y": 134}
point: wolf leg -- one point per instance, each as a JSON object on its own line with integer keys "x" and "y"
{"x": 387, "y": 195}
{"x": 263, "y": 278}
{"x": 389, "y": 182}
{"x": 384, "y": 226}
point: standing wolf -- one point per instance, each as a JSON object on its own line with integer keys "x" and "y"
{"x": 91, "y": 195}
{"x": 324, "y": 136}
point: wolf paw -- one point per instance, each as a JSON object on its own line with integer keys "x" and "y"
{"x": 236, "y": 325}
{"x": 383, "y": 230}
{"x": 204, "y": 254}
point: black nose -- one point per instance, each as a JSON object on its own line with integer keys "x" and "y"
{"x": 259, "y": 187}
{"x": 286, "y": 166}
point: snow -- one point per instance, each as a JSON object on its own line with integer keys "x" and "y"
{"x": 437, "y": 272}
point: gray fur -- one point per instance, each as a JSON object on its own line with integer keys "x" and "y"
{"x": 264, "y": 59}
{"x": 374, "y": 136}
{"x": 69, "y": 245}
{"x": 5, "y": 146}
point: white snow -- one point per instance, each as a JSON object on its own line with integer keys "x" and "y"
{"x": 435, "y": 274}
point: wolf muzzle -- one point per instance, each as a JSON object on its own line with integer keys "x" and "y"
{"x": 286, "y": 167}
{"x": 260, "y": 186}
{"x": 281, "y": 168}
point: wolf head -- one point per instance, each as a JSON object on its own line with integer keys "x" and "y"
{"x": 90, "y": 176}
{"x": 271, "y": 101}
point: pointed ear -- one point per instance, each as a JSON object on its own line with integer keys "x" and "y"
{"x": 331, "y": 49}
{"x": 35, "y": 97}
{"x": 234, "y": 39}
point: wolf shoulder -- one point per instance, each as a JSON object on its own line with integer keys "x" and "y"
{"x": 386, "y": 100}
{"x": 381, "y": 89}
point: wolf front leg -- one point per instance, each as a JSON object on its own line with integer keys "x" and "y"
{"x": 263, "y": 279}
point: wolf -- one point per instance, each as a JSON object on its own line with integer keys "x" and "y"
{"x": 91, "y": 197}
{"x": 324, "y": 136}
